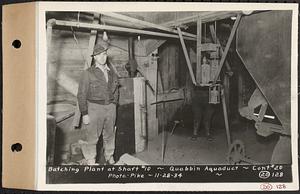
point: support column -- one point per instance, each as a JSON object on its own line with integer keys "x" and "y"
{"x": 198, "y": 66}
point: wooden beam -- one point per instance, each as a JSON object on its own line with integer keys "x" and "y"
{"x": 140, "y": 114}
{"x": 199, "y": 61}
{"x": 186, "y": 57}
{"x": 216, "y": 40}
{"x": 116, "y": 29}
{"x": 226, "y": 118}
{"x": 205, "y": 17}
{"x": 145, "y": 23}
{"x": 150, "y": 72}
{"x": 170, "y": 96}
{"x": 232, "y": 33}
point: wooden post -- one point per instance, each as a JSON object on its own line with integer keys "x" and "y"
{"x": 198, "y": 66}
{"x": 226, "y": 117}
{"x": 232, "y": 33}
{"x": 151, "y": 73}
{"x": 139, "y": 114}
{"x": 163, "y": 119}
{"x": 186, "y": 57}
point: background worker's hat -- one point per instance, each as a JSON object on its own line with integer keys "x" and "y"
{"x": 99, "y": 49}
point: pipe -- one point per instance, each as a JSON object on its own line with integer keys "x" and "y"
{"x": 131, "y": 65}
{"x": 116, "y": 29}
{"x": 130, "y": 48}
{"x": 145, "y": 23}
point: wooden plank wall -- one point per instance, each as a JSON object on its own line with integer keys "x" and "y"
{"x": 174, "y": 72}
{"x": 65, "y": 58}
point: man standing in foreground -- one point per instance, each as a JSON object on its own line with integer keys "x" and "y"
{"x": 97, "y": 98}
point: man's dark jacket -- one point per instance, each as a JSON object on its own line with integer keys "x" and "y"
{"x": 94, "y": 88}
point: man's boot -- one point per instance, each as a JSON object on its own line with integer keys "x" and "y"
{"x": 207, "y": 131}
{"x": 208, "y": 135}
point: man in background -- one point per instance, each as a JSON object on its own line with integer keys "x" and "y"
{"x": 97, "y": 98}
{"x": 203, "y": 111}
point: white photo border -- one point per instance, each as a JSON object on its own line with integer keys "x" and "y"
{"x": 41, "y": 94}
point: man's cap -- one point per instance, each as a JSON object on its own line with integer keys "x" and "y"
{"x": 99, "y": 49}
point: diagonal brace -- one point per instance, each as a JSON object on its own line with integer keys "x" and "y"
{"x": 232, "y": 33}
{"x": 216, "y": 40}
{"x": 186, "y": 57}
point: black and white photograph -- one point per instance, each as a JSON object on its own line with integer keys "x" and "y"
{"x": 169, "y": 96}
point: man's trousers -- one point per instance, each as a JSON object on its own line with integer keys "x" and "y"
{"x": 102, "y": 120}
{"x": 203, "y": 112}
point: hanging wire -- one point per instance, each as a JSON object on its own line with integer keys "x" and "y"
{"x": 77, "y": 44}
{"x": 78, "y": 17}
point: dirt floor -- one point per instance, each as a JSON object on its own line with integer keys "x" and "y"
{"x": 180, "y": 149}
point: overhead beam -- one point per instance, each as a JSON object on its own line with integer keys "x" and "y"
{"x": 116, "y": 29}
{"x": 205, "y": 17}
{"x": 232, "y": 33}
{"x": 145, "y": 23}
{"x": 186, "y": 57}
